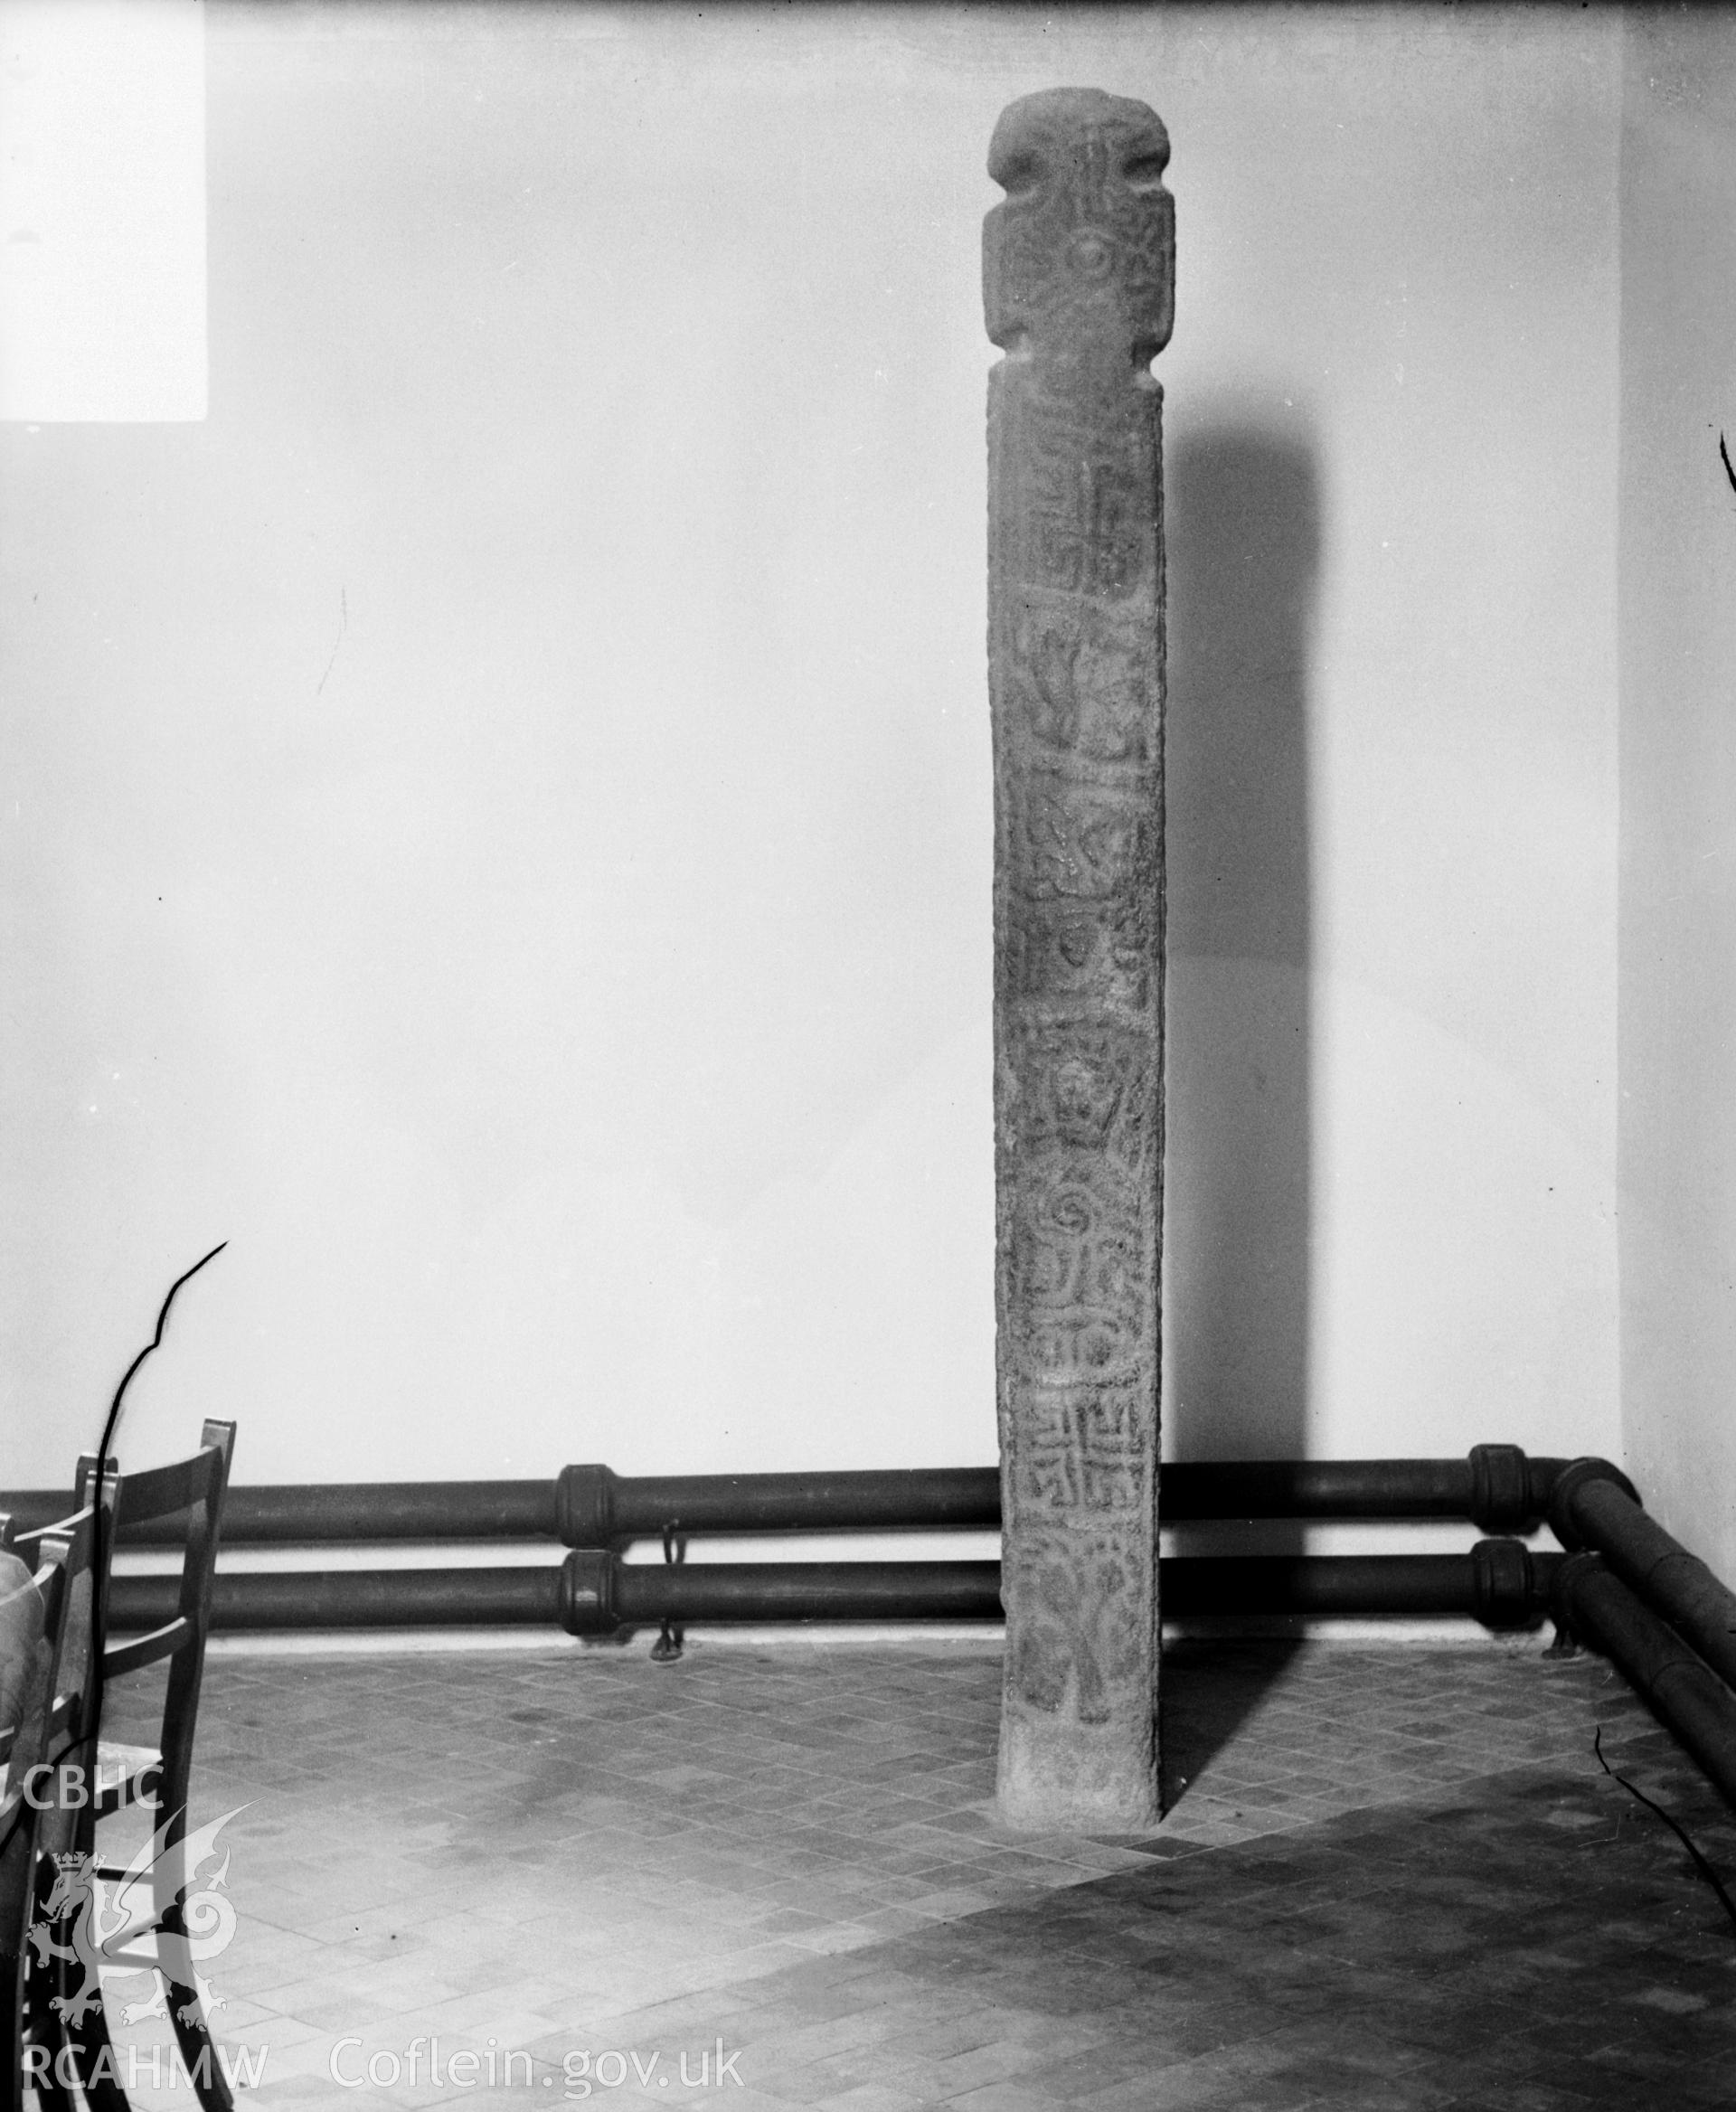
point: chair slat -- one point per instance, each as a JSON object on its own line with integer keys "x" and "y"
{"x": 162, "y": 1642}
{"x": 160, "y": 1491}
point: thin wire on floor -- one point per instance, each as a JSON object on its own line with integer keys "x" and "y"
{"x": 1681, "y": 1832}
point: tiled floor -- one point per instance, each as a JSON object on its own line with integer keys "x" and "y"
{"x": 1388, "y": 1879}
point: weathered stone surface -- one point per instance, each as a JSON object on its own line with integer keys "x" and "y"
{"x": 1078, "y": 272}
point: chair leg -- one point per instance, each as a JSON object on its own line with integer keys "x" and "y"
{"x": 75, "y": 2070}
{"x": 49, "y": 2081}
{"x": 51, "y": 2093}
{"x": 192, "y": 2031}
{"x": 17, "y": 1897}
{"x": 11, "y": 2032}
{"x": 47, "y": 2045}
{"x": 86, "y": 2025}
{"x": 199, "y": 2048}
{"x": 44, "y": 1977}
{"x": 94, "y": 2060}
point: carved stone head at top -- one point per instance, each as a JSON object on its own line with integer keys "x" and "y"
{"x": 1080, "y": 257}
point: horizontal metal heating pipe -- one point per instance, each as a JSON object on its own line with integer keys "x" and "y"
{"x": 1497, "y": 1487}
{"x": 1655, "y": 1610}
{"x": 1594, "y": 1507}
{"x": 315, "y": 1514}
{"x": 594, "y": 1592}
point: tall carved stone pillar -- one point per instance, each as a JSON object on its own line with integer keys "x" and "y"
{"x": 1078, "y": 274}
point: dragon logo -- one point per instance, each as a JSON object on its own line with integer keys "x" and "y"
{"x": 112, "y": 1925}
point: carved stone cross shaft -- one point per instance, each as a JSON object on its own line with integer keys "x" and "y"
{"x": 1079, "y": 276}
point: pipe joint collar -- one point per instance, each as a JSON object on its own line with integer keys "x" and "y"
{"x": 1500, "y": 1488}
{"x": 584, "y": 1505}
{"x": 1503, "y": 1585}
{"x": 588, "y": 1593}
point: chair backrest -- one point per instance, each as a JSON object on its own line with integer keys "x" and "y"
{"x": 191, "y": 1491}
{"x": 69, "y": 1589}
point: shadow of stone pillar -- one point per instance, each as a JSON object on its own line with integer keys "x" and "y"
{"x": 1078, "y": 272}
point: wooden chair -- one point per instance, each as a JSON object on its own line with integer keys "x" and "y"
{"x": 58, "y": 2011}
{"x": 191, "y": 1493}
{"x": 37, "y": 1827}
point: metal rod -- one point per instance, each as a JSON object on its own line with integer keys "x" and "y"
{"x": 316, "y": 1514}
{"x": 1499, "y": 1582}
{"x": 644, "y": 1592}
{"x": 1497, "y": 1486}
{"x": 595, "y": 1592}
{"x": 600, "y": 1508}
{"x": 352, "y": 1599}
{"x": 1596, "y": 1606}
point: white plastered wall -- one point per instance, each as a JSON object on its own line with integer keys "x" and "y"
{"x": 496, "y": 817}
{"x": 1678, "y": 774}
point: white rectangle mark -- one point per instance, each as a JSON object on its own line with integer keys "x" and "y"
{"x": 102, "y": 210}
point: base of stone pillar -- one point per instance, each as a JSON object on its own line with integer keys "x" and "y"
{"x": 1052, "y": 1781}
